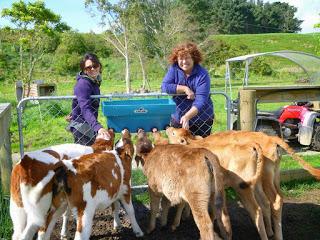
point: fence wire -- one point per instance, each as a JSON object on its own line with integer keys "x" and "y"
{"x": 43, "y": 121}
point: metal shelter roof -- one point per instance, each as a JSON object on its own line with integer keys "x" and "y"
{"x": 308, "y": 62}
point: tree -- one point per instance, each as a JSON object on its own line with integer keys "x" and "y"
{"x": 138, "y": 37}
{"x": 232, "y": 16}
{"x": 8, "y": 60}
{"x": 201, "y": 13}
{"x": 68, "y": 54}
{"x": 38, "y": 28}
{"x": 114, "y": 17}
{"x": 167, "y": 23}
{"x": 277, "y": 17}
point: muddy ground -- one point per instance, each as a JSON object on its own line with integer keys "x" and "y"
{"x": 301, "y": 221}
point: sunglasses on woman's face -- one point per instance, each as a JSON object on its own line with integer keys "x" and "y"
{"x": 91, "y": 67}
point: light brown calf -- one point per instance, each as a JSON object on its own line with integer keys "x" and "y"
{"x": 268, "y": 195}
{"x": 183, "y": 174}
{"x": 243, "y": 164}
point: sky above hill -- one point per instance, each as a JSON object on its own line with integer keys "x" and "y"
{"x": 77, "y": 16}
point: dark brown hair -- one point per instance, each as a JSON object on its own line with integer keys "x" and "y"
{"x": 93, "y": 58}
{"x": 183, "y": 49}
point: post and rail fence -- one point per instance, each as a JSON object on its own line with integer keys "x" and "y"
{"x": 5, "y": 147}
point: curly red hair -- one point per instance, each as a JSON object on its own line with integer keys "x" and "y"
{"x": 183, "y": 49}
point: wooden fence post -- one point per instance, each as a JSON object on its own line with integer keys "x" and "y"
{"x": 5, "y": 147}
{"x": 247, "y": 109}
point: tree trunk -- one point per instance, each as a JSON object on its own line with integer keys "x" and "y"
{"x": 128, "y": 87}
{"x": 144, "y": 76}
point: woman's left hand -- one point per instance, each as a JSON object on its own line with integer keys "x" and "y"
{"x": 184, "y": 121}
{"x": 189, "y": 93}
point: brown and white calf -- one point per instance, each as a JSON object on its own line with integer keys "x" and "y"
{"x": 99, "y": 179}
{"x": 182, "y": 174}
{"x": 269, "y": 195}
{"x": 33, "y": 184}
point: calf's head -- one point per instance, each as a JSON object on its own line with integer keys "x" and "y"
{"x": 180, "y": 136}
{"x": 158, "y": 138}
{"x": 102, "y": 144}
{"x": 124, "y": 146}
{"x": 143, "y": 146}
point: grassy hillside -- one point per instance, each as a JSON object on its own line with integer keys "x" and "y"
{"x": 274, "y": 41}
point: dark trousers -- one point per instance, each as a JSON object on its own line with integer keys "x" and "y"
{"x": 81, "y": 138}
{"x": 200, "y": 128}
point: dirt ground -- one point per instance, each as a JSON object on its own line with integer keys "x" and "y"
{"x": 301, "y": 221}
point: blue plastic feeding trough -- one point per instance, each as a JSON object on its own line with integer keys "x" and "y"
{"x": 135, "y": 114}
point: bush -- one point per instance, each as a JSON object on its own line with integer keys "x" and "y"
{"x": 217, "y": 51}
{"x": 261, "y": 67}
{"x": 54, "y": 109}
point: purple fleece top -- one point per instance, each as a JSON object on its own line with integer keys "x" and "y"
{"x": 84, "y": 108}
{"x": 199, "y": 83}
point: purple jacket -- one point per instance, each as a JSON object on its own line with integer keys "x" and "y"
{"x": 84, "y": 108}
{"x": 199, "y": 83}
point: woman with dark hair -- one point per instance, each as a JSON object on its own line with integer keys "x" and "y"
{"x": 194, "y": 110}
{"x": 84, "y": 123}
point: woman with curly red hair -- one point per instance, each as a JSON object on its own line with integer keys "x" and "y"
{"x": 194, "y": 110}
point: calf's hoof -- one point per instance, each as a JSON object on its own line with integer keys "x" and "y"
{"x": 174, "y": 227}
{"x": 139, "y": 234}
{"x": 150, "y": 230}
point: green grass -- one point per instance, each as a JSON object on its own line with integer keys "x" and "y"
{"x": 141, "y": 198}
{"x": 274, "y": 41}
{"x": 287, "y": 163}
{"x": 5, "y": 221}
{"x": 138, "y": 178}
{"x": 297, "y": 188}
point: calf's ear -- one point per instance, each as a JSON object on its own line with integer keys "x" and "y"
{"x": 138, "y": 160}
{"x": 183, "y": 141}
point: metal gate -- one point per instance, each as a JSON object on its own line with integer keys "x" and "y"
{"x": 42, "y": 120}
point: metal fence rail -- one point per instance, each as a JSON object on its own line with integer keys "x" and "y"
{"x": 42, "y": 120}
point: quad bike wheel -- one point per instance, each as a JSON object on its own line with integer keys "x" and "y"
{"x": 315, "y": 144}
{"x": 267, "y": 129}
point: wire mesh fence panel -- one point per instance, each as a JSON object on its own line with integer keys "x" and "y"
{"x": 45, "y": 121}
{"x": 220, "y": 103}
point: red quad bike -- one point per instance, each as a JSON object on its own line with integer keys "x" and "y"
{"x": 297, "y": 122}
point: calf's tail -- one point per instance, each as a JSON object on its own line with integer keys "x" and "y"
{"x": 313, "y": 171}
{"x": 219, "y": 194}
{"x": 60, "y": 180}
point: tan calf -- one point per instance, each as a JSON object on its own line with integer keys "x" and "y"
{"x": 243, "y": 166}
{"x": 183, "y": 174}
{"x": 268, "y": 195}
